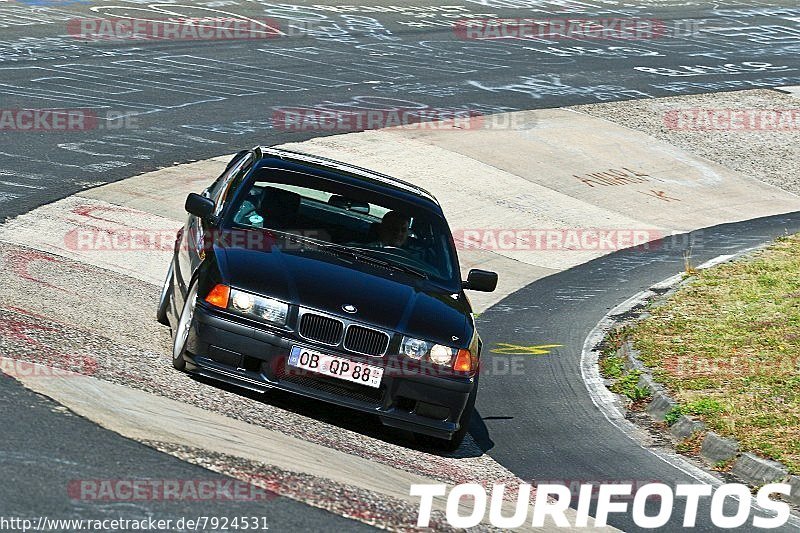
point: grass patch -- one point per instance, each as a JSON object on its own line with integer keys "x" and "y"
{"x": 612, "y": 367}
{"x": 700, "y": 406}
{"x": 627, "y": 386}
{"x": 727, "y": 347}
{"x": 625, "y": 381}
{"x": 724, "y": 466}
{"x": 673, "y": 415}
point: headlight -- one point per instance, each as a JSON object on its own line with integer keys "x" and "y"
{"x": 259, "y": 307}
{"x": 242, "y": 301}
{"x": 436, "y": 353}
{"x": 415, "y": 348}
{"x": 441, "y": 355}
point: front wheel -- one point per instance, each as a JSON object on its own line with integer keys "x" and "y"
{"x": 181, "y": 333}
{"x": 164, "y": 299}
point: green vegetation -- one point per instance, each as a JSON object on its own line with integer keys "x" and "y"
{"x": 627, "y": 386}
{"x": 700, "y": 406}
{"x": 727, "y": 347}
{"x": 612, "y": 367}
{"x": 673, "y": 415}
{"x": 724, "y": 466}
{"x": 625, "y": 382}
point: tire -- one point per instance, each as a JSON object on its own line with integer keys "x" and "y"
{"x": 181, "y": 332}
{"x": 454, "y": 442}
{"x": 164, "y": 299}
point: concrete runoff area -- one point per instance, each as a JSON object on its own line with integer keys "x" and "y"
{"x": 148, "y": 417}
{"x": 755, "y": 132}
{"x": 82, "y": 471}
{"x": 564, "y": 171}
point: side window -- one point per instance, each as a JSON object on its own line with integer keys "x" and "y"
{"x": 229, "y": 182}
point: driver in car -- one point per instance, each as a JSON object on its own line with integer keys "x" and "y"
{"x": 393, "y": 230}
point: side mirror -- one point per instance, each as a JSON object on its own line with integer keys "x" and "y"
{"x": 480, "y": 280}
{"x": 199, "y": 206}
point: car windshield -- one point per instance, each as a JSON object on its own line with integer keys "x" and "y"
{"x": 352, "y": 220}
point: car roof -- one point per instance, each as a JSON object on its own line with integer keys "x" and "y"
{"x": 348, "y": 173}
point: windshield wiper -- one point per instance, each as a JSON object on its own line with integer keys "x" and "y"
{"x": 357, "y": 253}
{"x": 360, "y": 252}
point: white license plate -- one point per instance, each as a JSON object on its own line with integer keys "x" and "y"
{"x": 337, "y": 367}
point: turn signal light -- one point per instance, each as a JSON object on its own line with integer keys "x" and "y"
{"x": 463, "y": 362}
{"x": 219, "y": 295}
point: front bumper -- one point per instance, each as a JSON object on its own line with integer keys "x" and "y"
{"x": 249, "y": 356}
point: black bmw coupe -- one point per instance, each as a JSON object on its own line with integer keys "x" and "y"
{"x": 331, "y": 281}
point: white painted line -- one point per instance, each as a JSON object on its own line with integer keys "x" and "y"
{"x": 716, "y": 261}
{"x": 630, "y": 303}
{"x": 667, "y": 283}
{"x": 793, "y": 90}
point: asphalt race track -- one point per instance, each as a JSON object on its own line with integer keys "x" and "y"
{"x": 175, "y": 115}
{"x": 542, "y": 424}
{"x": 166, "y": 102}
{"x": 44, "y": 447}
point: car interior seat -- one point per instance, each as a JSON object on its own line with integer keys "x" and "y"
{"x": 279, "y": 208}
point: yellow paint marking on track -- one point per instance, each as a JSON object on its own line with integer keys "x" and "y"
{"x": 514, "y": 349}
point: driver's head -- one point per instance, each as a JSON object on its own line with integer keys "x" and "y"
{"x": 393, "y": 230}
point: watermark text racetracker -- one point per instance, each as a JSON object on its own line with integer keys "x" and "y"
{"x": 429, "y": 118}
{"x": 575, "y": 239}
{"x": 495, "y": 239}
{"x": 132, "y": 490}
{"x": 173, "y": 29}
{"x": 213, "y": 28}
{"x": 69, "y": 366}
{"x": 730, "y": 364}
{"x": 161, "y": 240}
{"x": 468, "y": 503}
{"x": 62, "y": 120}
{"x": 574, "y": 28}
{"x": 737, "y": 120}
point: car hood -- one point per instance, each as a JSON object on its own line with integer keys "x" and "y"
{"x": 319, "y": 279}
